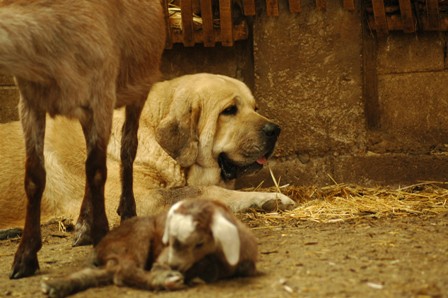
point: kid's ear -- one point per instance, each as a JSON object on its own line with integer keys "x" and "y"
{"x": 226, "y": 235}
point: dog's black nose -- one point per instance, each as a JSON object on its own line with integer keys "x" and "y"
{"x": 271, "y": 130}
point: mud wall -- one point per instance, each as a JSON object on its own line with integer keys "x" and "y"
{"x": 354, "y": 108}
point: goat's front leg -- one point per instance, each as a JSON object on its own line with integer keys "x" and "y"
{"x": 33, "y": 124}
{"x": 129, "y": 144}
{"x": 92, "y": 223}
{"x": 159, "y": 278}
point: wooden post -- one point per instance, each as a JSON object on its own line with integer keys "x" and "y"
{"x": 169, "y": 42}
{"x": 208, "y": 32}
{"x": 321, "y": 4}
{"x": 272, "y": 8}
{"x": 349, "y": 5}
{"x": 407, "y": 16}
{"x": 379, "y": 15}
{"x": 432, "y": 7}
{"x": 225, "y": 12}
{"x": 249, "y": 7}
{"x": 187, "y": 23}
{"x": 295, "y": 6}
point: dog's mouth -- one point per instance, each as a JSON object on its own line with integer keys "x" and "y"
{"x": 231, "y": 170}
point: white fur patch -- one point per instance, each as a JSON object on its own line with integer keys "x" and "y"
{"x": 227, "y": 236}
{"x": 181, "y": 226}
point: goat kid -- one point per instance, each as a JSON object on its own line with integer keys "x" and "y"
{"x": 196, "y": 238}
{"x": 79, "y": 59}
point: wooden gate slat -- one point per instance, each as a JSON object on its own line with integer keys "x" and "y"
{"x": 295, "y": 6}
{"x": 249, "y": 7}
{"x": 321, "y": 4}
{"x": 349, "y": 5}
{"x": 187, "y": 23}
{"x": 168, "y": 42}
{"x": 433, "y": 14}
{"x": 272, "y": 8}
{"x": 407, "y": 16}
{"x": 225, "y": 13}
{"x": 379, "y": 15}
{"x": 208, "y": 31}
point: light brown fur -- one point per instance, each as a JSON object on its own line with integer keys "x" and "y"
{"x": 140, "y": 252}
{"x": 79, "y": 59}
{"x": 160, "y": 179}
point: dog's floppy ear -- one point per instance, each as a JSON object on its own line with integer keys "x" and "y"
{"x": 227, "y": 237}
{"x": 177, "y": 133}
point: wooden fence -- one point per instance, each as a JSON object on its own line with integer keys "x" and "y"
{"x": 407, "y": 15}
{"x": 214, "y": 21}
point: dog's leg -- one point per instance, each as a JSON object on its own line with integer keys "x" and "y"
{"x": 33, "y": 124}
{"x": 241, "y": 201}
{"x": 129, "y": 143}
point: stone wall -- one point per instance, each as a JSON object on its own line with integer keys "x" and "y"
{"x": 353, "y": 108}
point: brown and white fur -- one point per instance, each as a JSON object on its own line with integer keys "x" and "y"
{"x": 80, "y": 59}
{"x": 163, "y": 174}
{"x": 197, "y": 238}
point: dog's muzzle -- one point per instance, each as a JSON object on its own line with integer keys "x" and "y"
{"x": 231, "y": 170}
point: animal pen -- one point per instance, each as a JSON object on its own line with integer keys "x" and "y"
{"x": 359, "y": 89}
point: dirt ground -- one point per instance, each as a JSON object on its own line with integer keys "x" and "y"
{"x": 397, "y": 256}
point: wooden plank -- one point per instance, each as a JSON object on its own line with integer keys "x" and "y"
{"x": 225, "y": 14}
{"x": 249, "y": 7}
{"x": 207, "y": 23}
{"x": 393, "y": 23}
{"x": 272, "y": 8}
{"x": 407, "y": 15}
{"x": 379, "y": 16}
{"x": 370, "y": 96}
{"x": 240, "y": 32}
{"x": 321, "y": 4}
{"x": 349, "y": 5}
{"x": 187, "y": 22}
{"x": 168, "y": 42}
{"x": 432, "y": 7}
{"x": 295, "y": 6}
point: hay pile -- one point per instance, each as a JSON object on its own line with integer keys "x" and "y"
{"x": 342, "y": 202}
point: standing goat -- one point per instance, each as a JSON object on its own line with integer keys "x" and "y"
{"x": 197, "y": 238}
{"x": 80, "y": 59}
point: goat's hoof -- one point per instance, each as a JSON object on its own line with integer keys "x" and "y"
{"x": 82, "y": 240}
{"x": 168, "y": 279}
{"x": 24, "y": 266}
{"x": 82, "y": 235}
{"x": 174, "y": 281}
{"x": 53, "y": 289}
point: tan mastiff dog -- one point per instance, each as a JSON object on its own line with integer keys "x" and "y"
{"x": 197, "y": 134}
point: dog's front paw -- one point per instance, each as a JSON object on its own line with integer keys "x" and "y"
{"x": 277, "y": 201}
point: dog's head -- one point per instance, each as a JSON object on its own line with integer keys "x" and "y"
{"x": 195, "y": 229}
{"x": 213, "y": 123}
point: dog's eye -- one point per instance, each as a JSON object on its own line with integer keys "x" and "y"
{"x": 230, "y": 110}
{"x": 199, "y": 245}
